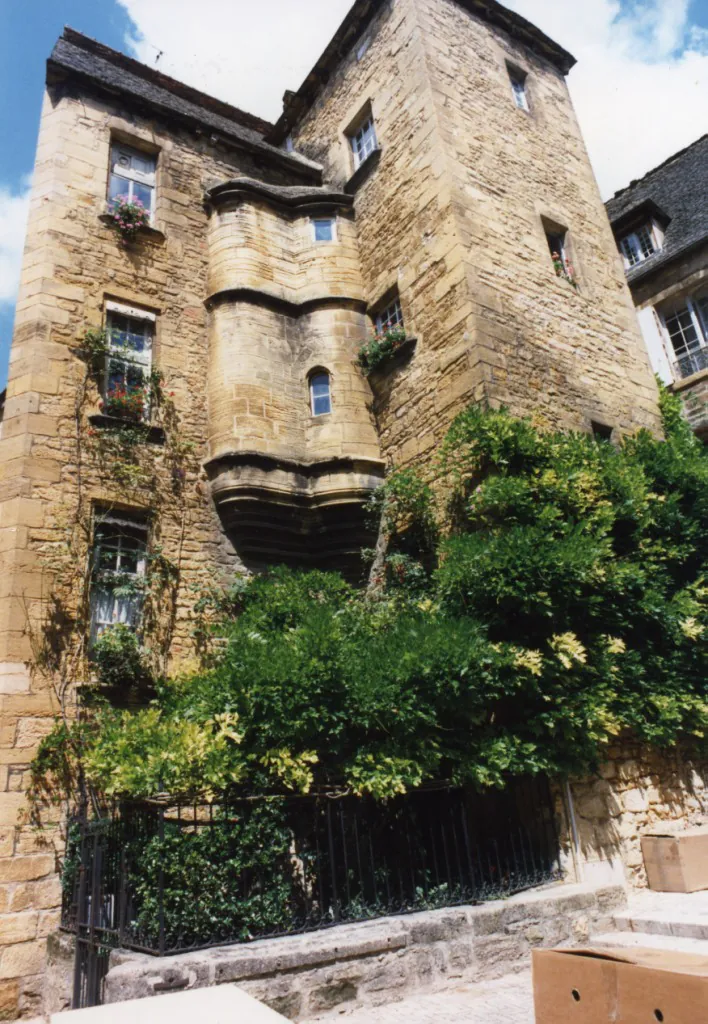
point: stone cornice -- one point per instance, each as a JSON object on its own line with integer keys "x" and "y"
{"x": 281, "y": 197}
{"x": 260, "y": 297}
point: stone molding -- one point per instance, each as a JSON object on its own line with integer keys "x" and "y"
{"x": 281, "y": 197}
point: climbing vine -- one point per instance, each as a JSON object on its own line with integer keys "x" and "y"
{"x": 119, "y": 462}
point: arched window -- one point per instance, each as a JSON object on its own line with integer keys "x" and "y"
{"x": 320, "y": 393}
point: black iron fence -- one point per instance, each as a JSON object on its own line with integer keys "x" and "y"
{"x": 165, "y": 878}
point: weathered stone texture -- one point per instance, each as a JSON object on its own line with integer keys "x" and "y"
{"x": 636, "y": 790}
{"x": 378, "y": 962}
{"x": 73, "y": 261}
{"x": 452, "y": 216}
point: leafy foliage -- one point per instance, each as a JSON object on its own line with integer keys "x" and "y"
{"x": 379, "y": 348}
{"x": 119, "y": 658}
{"x": 559, "y": 599}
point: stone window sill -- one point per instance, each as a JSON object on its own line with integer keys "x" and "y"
{"x": 153, "y": 234}
{"x": 153, "y": 434}
{"x": 363, "y": 171}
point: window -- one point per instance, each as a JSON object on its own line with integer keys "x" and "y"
{"x": 129, "y": 333}
{"x": 363, "y": 140}
{"x": 325, "y": 229}
{"x": 390, "y": 317}
{"x": 686, "y": 326}
{"x": 601, "y": 431}
{"x": 320, "y": 393}
{"x": 362, "y": 48}
{"x": 639, "y": 245}
{"x": 558, "y": 248}
{"x": 132, "y": 175}
{"x": 518, "y": 88}
{"x": 117, "y": 570}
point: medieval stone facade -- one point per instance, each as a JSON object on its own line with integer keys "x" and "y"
{"x": 429, "y": 175}
{"x": 661, "y": 226}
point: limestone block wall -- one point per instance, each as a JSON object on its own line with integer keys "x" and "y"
{"x": 636, "y": 789}
{"x": 452, "y": 216}
{"x": 368, "y": 964}
{"x": 252, "y": 245}
{"x": 73, "y": 263}
{"x": 259, "y": 366}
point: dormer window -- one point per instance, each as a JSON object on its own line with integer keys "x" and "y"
{"x": 640, "y": 244}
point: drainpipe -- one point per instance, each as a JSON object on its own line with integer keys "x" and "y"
{"x": 575, "y": 843}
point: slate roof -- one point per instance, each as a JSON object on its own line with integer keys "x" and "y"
{"x": 355, "y": 23}
{"x": 77, "y": 55}
{"x": 678, "y": 188}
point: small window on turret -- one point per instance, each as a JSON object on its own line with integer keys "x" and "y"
{"x": 324, "y": 229}
{"x": 320, "y": 393}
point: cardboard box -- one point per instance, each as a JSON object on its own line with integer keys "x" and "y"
{"x": 676, "y": 862}
{"x": 619, "y": 986}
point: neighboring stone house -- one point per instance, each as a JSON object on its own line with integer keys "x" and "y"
{"x": 661, "y": 226}
{"x": 429, "y": 175}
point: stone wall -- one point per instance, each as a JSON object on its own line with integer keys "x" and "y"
{"x": 73, "y": 263}
{"x": 636, "y": 790}
{"x": 380, "y": 961}
{"x": 453, "y": 216}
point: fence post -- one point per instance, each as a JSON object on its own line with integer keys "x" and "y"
{"x": 161, "y": 881}
{"x": 80, "y": 948}
{"x": 332, "y": 863}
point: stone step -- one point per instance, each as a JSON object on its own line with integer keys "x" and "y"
{"x": 664, "y": 922}
{"x": 649, "y": 940}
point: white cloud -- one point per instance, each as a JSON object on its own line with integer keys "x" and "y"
{"x": 640, "y": 83}
{"x": 639, "y": 87}
{"x": 242, "y": 51}
{"x": 13, "y": 220}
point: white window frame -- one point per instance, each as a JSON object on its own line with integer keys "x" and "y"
{"x": 332, "y": 221}
{"x": 363, "y": 140}
{"x": 107, "y": 608}
{"x": 695, "y": 358}
{"x": 632, "y": 247}
{"x": 131, "y": 174}
{"x": 117, "y": 354}
{"x": 311, "y": 386}
{"x": 390, "y": 317}
{"x": 519, "y": 89}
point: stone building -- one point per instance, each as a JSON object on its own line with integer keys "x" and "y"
{"x": 429, "y": 176}
{"x": 661, "y": 226}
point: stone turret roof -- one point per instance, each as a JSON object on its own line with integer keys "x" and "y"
{"x": 355, "y": 23}
{"x": 78, "y": 56}
{"x": 676, "y": 191}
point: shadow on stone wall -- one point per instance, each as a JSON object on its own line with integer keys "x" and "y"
{"x": 636, "y": 790}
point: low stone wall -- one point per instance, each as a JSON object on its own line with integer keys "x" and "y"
{"x": 378, "y": 961}
{"x": 637, "y": 789}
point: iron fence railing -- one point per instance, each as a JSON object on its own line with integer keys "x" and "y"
{"x": 165, "y": 878}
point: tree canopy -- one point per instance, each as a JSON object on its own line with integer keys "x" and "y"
{"x": 543, "y": 594}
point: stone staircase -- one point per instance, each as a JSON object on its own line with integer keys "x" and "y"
{"x": 677, "y": 921}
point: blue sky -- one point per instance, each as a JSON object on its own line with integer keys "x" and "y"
{"x": 640, "y": 87}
